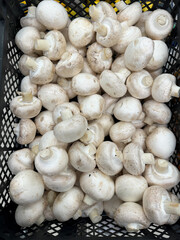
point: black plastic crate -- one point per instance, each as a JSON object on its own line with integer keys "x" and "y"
{"x": 10, "y": 13}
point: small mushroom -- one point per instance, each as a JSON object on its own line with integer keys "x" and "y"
{"x": 130, "y": 13}
{"x": 85, "y": 84}
{"x": 94, "y": 212}
{"x": 82, "y": 157}
{"x": 156, "y": 112}
{"x": 50, "y": 197}
{"x": 162, "y": 173}
{"x": 34, "y": 145}
{"x": 44, "y": 122}
{"x": 159, "y": 24}
{"x": 93, "y": 135}
{"x": 25, "y": 39}
{"x": 28, "y": 86}
{"x": 53, "y": 45}
{"x": 111, "y": 206}
{"x": 141, "y": 22}
{"x": 109, "y": 159}
{"x": 51, "y": 161}
{"x": 31, "y": 20}
{"x": 71, "y": 129}
{"x": 91, "y": 106}
{"x": 138, "y": 53}
{"x": 131, "y": 216}
{"x": 139, "y": 137}
{"x": 21, "y": 160}
{"x": 99, "y": 58}
{"x": 139, "y": 84}
{"x": 161, "y": 142}
{"x": 158, "y": 206}
{"x": 22, "y": 64}
{"x": 114, "y": 83}
{"x": 66, "y": 204}
{"x": 122, "y": 132}
{"x": 52, "y": 15}
{"x": 62, "y": 182}
{"x": 110, "y": 103}
{"x": 51, "y": 95}
{"x": 130, "y": 188}
{"x": 26, "y": 105}
{"x": 30, "y": 214}
{"x": 128, "y": 109}
{"x": 26, "y": 187}
{"x": 164, "y": 87}
{"x": 135, "y": 159}
{"x": 72, "y": 49}
{"x": 173, "y": 218}
{"x": 160, "y": 56}
{"x": 66, "y": 84}
{"x": 97, "y": 186}
{"x": 118, "y": 63}
{"x": 140, "y": 122}
{"x": 25, "y": 131}
{"x": 128, "y": 34}
{"x": 87, "y": 68}
{"x": 85, "y": 31}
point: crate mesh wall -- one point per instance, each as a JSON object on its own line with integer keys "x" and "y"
{"x": 10, "y": 81}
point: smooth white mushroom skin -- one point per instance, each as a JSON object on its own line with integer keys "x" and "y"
{"x": 28, "y": 86}
{"x": 66, "y": 84}
{"x": 141, "y": 23}
{"x": 94, "y": 212}
{"x": 118, "y": 63}
{"x": 111, "y": 206}
{"x": 44, "y": 122}
{"x": 139, "y": 137}
{"x": 22, "y": 66}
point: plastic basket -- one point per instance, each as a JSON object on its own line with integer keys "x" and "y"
{"x": 10, "y": 13}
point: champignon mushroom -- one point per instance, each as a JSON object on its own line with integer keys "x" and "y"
{"x": 173, "y": 218}
{"x": 161, "y": 142}
{"x": 164, "y": 87}
{"x": 111, "y": 206}
{"x": 72, "y": 49}
{"x": 99, "y": 58}
{"x": 162, "y": 173}
{"x": 139, "y": 137}
{"x": 49, "y": 197}
{"x": 135, "y": 159}
{"x": 141, "y": 22}
{"x": 110, "y": 103}
{"x": 28, "y": 86}
{"x": 22, "y": 64}
{"x": 139, "y": 84}
{"x": 82, "y": 157}
{"x": 97, "y": 186}
{"x": 51, "y": 95}
{"x": 87, "y": 68}
{"x": 130, "y": 188}
{"x": 159, "y": 24}
{"x": 26, "y": 187}
{"x": 94, "y": 212}
{"x": 156, "y": 73}
{"x": 66, "y": 84}
{"x": 25, "y": 105}
{"x": 34, "y": 145}
{"x": 44, "y": 122}
{"x": 66, "y": 204}
{"x": 118, "y": 63}
{"x": 109, "y": 159}
{"x": 131, "y": 216}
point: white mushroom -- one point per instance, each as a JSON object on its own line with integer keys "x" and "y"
{"x": 94, "y": 212}
{"x": 72, "y": 49}
{"x": 44, "y": 122}
{"x": 139, "y": 137}
{"x": 156, "y": 73}
{"x": 22, "y": 64}
{"x": 28, "y": 86}
{"x": 110, "y": 103}
{"x": 34, "y": 145}
{"x": 118, "y": 63}
{"x": 173, "y": 218}
{"x": 66, "y": 84}
{"x": 87, "y": 68}
{"x": 141, "y": 22}
{"x": 111, "y": 206}
{"x": 49, "y": 197}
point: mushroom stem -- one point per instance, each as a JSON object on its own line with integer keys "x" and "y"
{"x": 172, "y": 208}
{"x": 94, "y": 216}
{"x": 148, "y": 158}
{"x": 87, "y": 136}
{"x": 35, "y": 149}
{"x": 91, "y": 149}
{"x": 26, "y": 96}
{"x": 148, "y": 121}
{"x": 106, "y": 53}
{"x": 66, "y": 114}
{"x": 42, "y": 45}
{"x": 94, "y": 13}
{"x": 162, "y": 20}
{"x": 101, "y": 29}
{"x": 175, "y": 91}
{"x": 77, "y": 215}
{"x": 121, "y": 5}
{"x": 161, "y": 165}
{"x": 147, "y": 81}
{"x": 45, "y": 154}
{"x": 88, "y": 200}
{"x": 40, "y": 220}
{"x": 132, "y": 227}
{"x": 31, "y": 64}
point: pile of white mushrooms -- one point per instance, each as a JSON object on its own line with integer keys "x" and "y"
{"x": 94, "y": 93}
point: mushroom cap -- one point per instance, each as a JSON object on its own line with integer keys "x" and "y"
{"x": 97, "y": 185}
{"x": 128, "y": 109}
{"x": 153, "y": 199}
{"x": 30, "y": 214}
{"x": 98, "y": 57}
{"x": 52, "y": 95}
{"x": 21, "y": 160}
{"x": 82, "y": 157}
{"x": 70, "y": 64}
{"x": 35, "y": 142}
{"x": 66, "y": 204}
{"x": 111, "y": 206}
{"x": 122, "y": 132}
{"x": 118, "y": 63}
{"x": 25, "y": 39}
{"x": 130, "y": 188}
{"x": 139, "y": 137}
{"x": 159, "y": 112}
{"x": 110, "y": 103}
{"x": 109, "y": 159}
{"x": 91, "y": 106}
{"x": 26, "y": 187}
{"x": 22, "y": 109}
{"x": 167, "y": 179}
{"x": 22, "y": 66}
{"x": 162, "y": 86}
{"x": 156, "y": 73}
{"x": 85, "y": 84}
{"x": 80, "y": 32}
{"x": 28, "y": 86}
{"x": 44, "y": 122}
{"x": 173, "y": 218}
{"x": 131, "y": 216}
{"x": 72, "y": 49}
{"x": 87, "y": 68}
{"x": 62, "y": 182}
{"x": 71, "y": 129}
{"x": 141, "y": 22}
{"x": 138, "y": 53}
{"x": 66, "y": 84}
{"x": 52, "y": 15}
{"x": 158, "y": 24}
{"x": 161, "y": 142}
